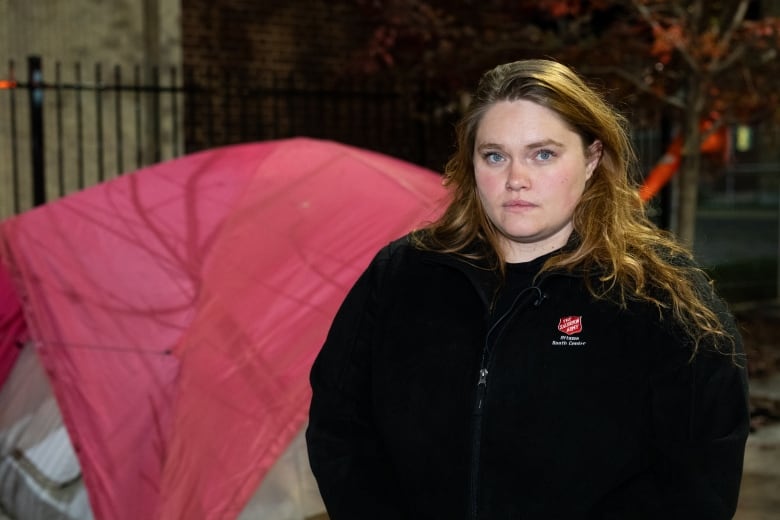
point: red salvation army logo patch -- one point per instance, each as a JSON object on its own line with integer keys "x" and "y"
{"x": 570, "y": 325}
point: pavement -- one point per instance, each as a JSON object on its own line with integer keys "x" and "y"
{"x": 760, "y": 493}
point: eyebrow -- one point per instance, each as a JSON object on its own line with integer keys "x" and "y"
{"x": 529, "y": 146}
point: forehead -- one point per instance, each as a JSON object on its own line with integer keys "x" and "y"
{"x": 522, "y": 120}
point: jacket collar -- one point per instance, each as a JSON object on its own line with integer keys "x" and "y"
{"x": 483, "y": 278}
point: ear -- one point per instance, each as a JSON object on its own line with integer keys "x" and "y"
{"x": 592, "y": 158}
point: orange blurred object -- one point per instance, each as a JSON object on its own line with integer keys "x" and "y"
{"x": 669, "y": 163}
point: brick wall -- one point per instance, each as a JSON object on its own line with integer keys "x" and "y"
{"x": 313, "y": 38}
{"x": 276, "y": 69}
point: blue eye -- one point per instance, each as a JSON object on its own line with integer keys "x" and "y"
{"x": 493, "y": 157}
{"x": 545, "y": 155}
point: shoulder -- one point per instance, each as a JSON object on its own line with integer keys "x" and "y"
{"x": 409, "y": 251}
{"x": 407, "y": 260}
{"x": 396, "y": 248}
{"x": 393, "y": 254}
{"x": 399, "y": 257}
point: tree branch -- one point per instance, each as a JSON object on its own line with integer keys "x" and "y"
{"x": 728, "y": 61}
{"x": 648, "y": 17}
{"x": 717, "y": 64}
{"x": 637, "y": 82}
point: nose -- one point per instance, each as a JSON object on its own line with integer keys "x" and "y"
{"x": 517, "y": 178}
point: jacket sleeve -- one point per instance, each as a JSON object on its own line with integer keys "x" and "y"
{"x": 353, "y": 472}
{"x": 701, "y": 420}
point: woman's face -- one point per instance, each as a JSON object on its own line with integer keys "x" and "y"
{"x": 530, "y": 170}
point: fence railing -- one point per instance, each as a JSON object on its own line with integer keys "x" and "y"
{"x": 77, "y": 128}
{"x": 66, "y": 128}
{"x": 225, "y": 106}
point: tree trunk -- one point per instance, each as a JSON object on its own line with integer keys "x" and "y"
{"x": 691, "y": 165}
{"x": 689, "y": 188}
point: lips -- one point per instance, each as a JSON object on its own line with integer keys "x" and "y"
{"x": 518, "y": 204}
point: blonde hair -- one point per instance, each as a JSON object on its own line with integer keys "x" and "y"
{"x": 612, "y": 234}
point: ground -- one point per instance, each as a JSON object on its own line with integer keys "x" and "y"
{"x": 759, "y": 498}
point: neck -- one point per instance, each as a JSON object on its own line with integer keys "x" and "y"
{"x": 515, "y": 252}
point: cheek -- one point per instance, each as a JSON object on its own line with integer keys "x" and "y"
{"x": 571, "y": 187}
{"x": 486, "y": 184}
{"x": 577, "y": 184}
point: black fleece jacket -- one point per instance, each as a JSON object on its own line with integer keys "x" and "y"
{"x": 428, "y": 405}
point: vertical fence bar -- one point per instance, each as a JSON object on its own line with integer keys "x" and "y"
{"x": 120, "y": 159}
{"x": 258, "y": 81}
{"x": 175, "y": 112}
{"x": 243, "y": 116}
{"x": 101, "y": 170}
{"x": 363, "y": 108}
{"x": 190, "y": 89}
{"x": 292, "y": 105}
{"x": 275, "y": 101}
{"x": 60, "y": 132}
{"x": 320, "y": 112}
{"x": 154, "y": 117}
{"x": 225, "y": 85}
{"x": 209, "y": 108}
{"x": 79, "y": 128}
{"x": 35, "y": 80}
{"x": 14, "y": 144}
{"x": 305, "y": 107}
{"x": 342, "y": 114}
{"x": 139, "y": 149}
{"x": 422, "y": 110}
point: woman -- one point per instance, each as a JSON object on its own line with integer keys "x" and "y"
{"x": 541, "y": 351}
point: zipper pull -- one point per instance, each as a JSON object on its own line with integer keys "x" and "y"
{"x": 481, "y": 387}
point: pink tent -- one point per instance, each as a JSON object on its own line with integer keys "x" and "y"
{"x": 12, "y": 326}
{"x": 177, "y": 310}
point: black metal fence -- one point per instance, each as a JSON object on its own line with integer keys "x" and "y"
{"x": 239, "y": 106}
{"x": 68, "y": 128}
{"x": 71, "y": 132}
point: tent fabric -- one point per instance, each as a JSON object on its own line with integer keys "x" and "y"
{"x": 289, "y": 491}
{"x": 40, "y": 476}
{"x": 39, "y": 472}
{"x": 12, "y": 325}
{"x": 177, "y": 310}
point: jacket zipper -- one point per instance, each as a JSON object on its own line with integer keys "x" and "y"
{"x": 476, "y": 431}
{"x": 476, "y": 416}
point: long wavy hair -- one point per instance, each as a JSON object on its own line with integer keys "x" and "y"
{"x": 612, "y": 236}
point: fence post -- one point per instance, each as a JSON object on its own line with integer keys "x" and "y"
{"x": 35, "y": 80}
